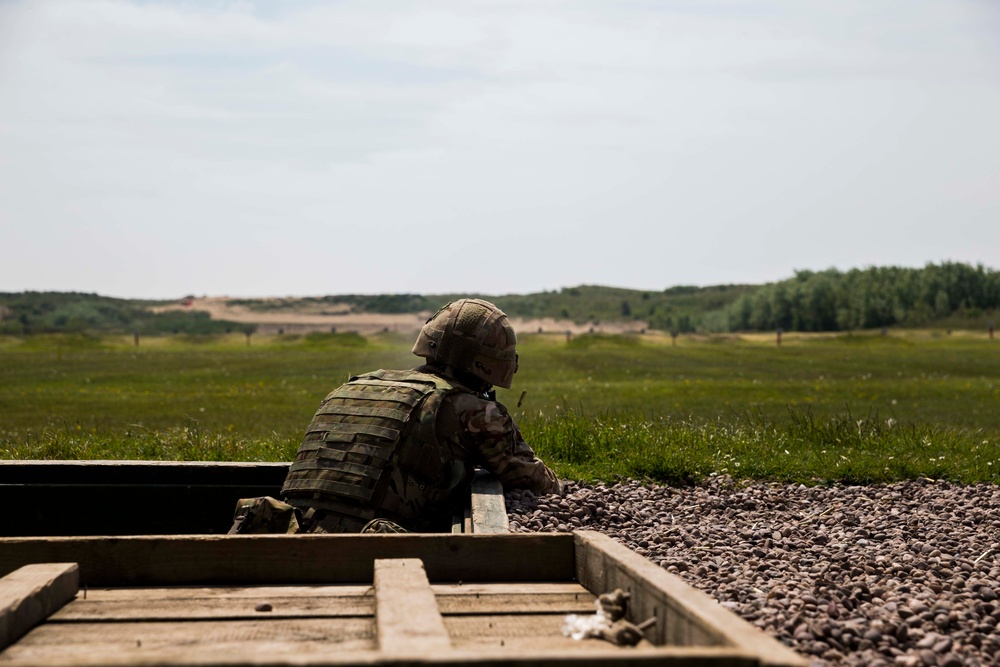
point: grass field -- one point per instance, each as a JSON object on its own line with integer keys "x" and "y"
{"x": 860, "y": 408}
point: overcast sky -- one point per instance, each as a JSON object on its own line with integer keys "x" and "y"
{"x": 155, "y": 149}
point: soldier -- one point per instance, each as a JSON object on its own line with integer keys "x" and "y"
{"x": 396, "y": 450}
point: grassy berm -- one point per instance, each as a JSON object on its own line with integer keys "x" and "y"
{"x": 855, "y": 408}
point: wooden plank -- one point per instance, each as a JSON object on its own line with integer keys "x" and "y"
{"x": 685, "y": 615}
{"x": 223, "y": 642}
{"x": 154, "y": 608}
{"x": 161, "y": 634}
{"x": 133, "y": 595}
{"x": 488, "y": 510}
{"x": 541, "y": 638}
{"x": 289, "y": 559}
{"x": 484, "y": 589}
{"x": 496, "y": 588}
{"x": 407, "y": 618}
{"x": 29, "y": 594}
{"x": 185, "y": 603}
{"x": 514, "y": 598}
{"x": 528, "y": 630}
{"x": 290, "y": 654}
{"x": 515, "y": 604}
{"x": 534, "y": 653}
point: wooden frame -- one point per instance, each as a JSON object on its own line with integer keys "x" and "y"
{"x": 479, "y": 595}
{"x": 690, "y": 627}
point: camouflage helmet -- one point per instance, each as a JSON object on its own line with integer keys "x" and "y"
{"x": 474, "y": 336}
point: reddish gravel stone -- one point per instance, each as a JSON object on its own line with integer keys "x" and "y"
{"x": 888, "y": 574}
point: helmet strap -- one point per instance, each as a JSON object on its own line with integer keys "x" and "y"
{"x": 474, "y": 383}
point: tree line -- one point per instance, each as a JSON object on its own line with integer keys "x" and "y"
{"x": 943, "y": 295}
{"x": 869, "y": 298}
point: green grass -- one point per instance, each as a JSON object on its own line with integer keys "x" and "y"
{"x": 861, "y": 408}
{"x": 802, "y": 449}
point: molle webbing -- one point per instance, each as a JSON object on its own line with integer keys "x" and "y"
{"x": 351, "y": 443}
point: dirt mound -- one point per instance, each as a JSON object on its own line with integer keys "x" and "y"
{"x": 294, "y": 316}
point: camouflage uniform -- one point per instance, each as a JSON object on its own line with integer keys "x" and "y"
{"x": 402, "y": 446}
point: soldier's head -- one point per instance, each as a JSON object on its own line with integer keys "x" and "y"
{"x": 472, "y": 336}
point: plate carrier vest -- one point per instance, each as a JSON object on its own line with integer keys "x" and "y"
{"x": 361, "y": 432}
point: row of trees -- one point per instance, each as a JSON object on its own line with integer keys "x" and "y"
{"x": 863, "y": 299}
{"x": 810, "y": 301}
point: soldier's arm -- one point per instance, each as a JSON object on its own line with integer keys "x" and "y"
{"x": 491, "y": 433}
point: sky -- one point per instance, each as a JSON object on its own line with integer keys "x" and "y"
{"x": 156, "y": 149}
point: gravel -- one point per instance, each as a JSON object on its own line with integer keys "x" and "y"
{"x": 890, "y": 574}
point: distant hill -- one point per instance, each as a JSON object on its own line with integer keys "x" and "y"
{"x": 950, "y": 294}
{"x": 67, "y": 312}
{"x": 676, "y": 308}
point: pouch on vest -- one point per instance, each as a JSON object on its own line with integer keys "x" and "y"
{"x": 264, "y": 514}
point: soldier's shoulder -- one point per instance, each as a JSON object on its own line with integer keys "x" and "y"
{"x": 466, "y": 401}
{"x": 478, "y": 414}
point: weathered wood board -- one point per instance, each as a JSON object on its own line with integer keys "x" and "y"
{"x": 407, "y": 618}
{"x": 31, "y": 593}
{"x": 142, "y": 560}
{"x": 331, "y": 601}
{"x": 487, "y": 510}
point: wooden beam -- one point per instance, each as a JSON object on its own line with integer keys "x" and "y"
{"x": 165, "y": 645}
{"x": 182, "y": 603}
{"x": 489, "y": 512}
{"x": 289, "y": 559}
{"x": 29, "y": 594}
{"x": 513, "y": 598}
{"x": 257, "y": 603}
{"x": 515, "y": 604}
{"x": 223, "y": 642}
{"x": 487, "y": 589}
{"x": 467, "y": 519}
{"x": 685, "y": 616}
{"x": 319, "y": 593}
{"x": 407, "y": 619}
